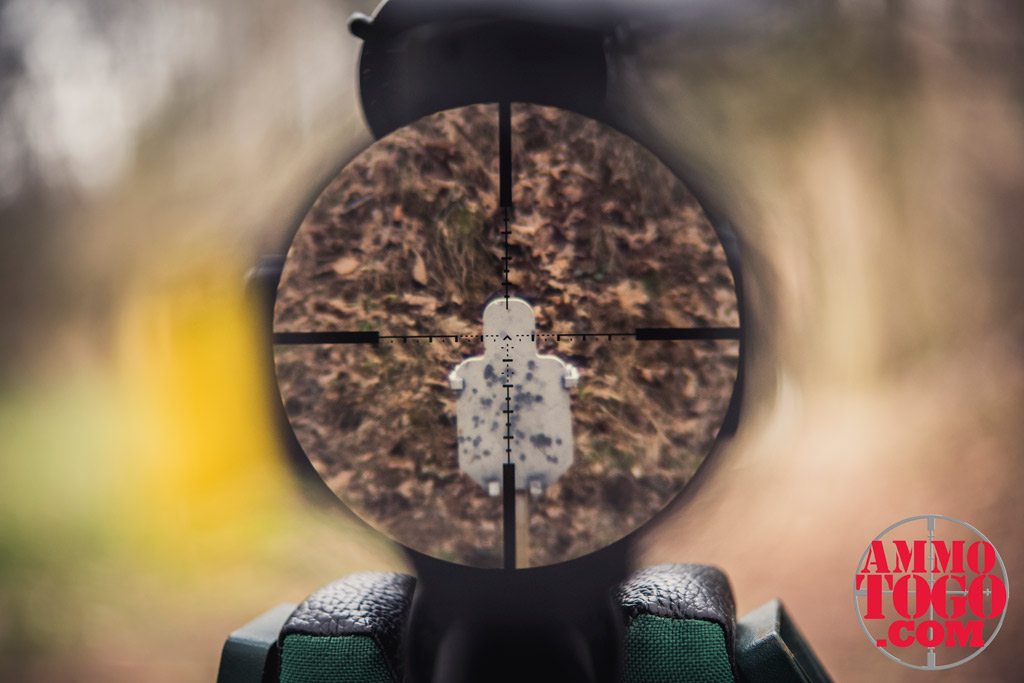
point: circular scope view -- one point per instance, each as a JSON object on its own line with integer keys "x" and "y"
{"x": 461, "y": 315}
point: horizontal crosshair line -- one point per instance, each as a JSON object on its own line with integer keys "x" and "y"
{"x": 686, "y": 333}
{"x": 582, "y": 335}
{"x": 640, "y": 334}
{"x": 655, "y": 334}
{"x": 370, "y": 337}
{"x": 428, "y": 336}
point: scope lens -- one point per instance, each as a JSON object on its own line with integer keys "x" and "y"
{"x": 383, "y": 294}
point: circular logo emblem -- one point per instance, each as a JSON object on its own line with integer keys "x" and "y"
{"x": 931, "y": 592}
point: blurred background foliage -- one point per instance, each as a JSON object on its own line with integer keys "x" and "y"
{"x": 151, "y": 152}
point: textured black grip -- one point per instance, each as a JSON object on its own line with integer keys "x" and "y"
{"x": 374, "y": 604}
{"x": 681, "y": 591}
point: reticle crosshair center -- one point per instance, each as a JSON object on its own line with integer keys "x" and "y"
{"x": 513, "y": 404}
{"x": 382, "y": 295}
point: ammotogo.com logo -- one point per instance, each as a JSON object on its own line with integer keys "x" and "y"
{"x": 931, "y": 592}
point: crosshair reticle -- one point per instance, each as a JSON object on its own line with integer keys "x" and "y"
{"x": 518, "y": 208}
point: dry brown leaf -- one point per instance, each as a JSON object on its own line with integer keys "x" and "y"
{"x": 428, "y": 303}
{"x": 558, "y": 267}
{"x": 604, "y": 392}
{"x": 346, "y": 265}
{"x": 631, "y": 296}
{"x": 343, "y": 306}
{"x": 526, "y": 226}
{"x": 419, "y": 271}
{"x": 453, "y": 324}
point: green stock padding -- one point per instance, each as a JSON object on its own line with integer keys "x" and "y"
{"x": 658, "y": 650}
{"x": 339, "y": 659}
{"x": 662, "y": 650}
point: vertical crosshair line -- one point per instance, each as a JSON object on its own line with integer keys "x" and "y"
{"x": 505, "y": 259}
{"x": 505, "y": 182}
{"x": 508, "y": 401}
{"x": 505, "y": 202}
{"x": 505, "y": 154}
{"x": 508, "y": 424}
{"x": 508, "y": 471}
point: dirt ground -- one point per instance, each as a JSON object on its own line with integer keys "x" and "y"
{"x": 406, "y": 241}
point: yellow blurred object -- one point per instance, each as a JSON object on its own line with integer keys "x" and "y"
{"x": 202, "y": 481}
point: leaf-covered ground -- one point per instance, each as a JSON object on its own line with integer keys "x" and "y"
{"x": 406, "y": 241}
